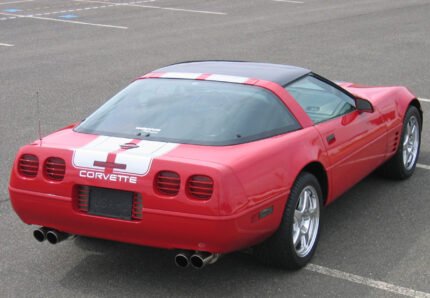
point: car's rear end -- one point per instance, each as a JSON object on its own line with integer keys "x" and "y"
{"x": 162, "y": 164}
{"x": 178, "y": 203}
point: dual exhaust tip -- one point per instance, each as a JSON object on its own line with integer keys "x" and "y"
{"x": 183, "y": 259}
{"x": 53, "y": 236}
{"x": 197, "y": 260}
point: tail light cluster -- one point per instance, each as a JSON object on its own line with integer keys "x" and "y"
{"x": 28, "y": 165}
{"x": 198, "y": 187}
{"x": 167, "y": 183}
{"x": 54, "y": 168}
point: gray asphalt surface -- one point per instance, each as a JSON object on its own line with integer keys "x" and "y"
{"x": 379, "y": 230}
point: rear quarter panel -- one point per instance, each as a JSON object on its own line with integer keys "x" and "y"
{"x": 265, "y": 169}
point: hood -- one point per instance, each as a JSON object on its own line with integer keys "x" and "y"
{"x": 377, "y": 94}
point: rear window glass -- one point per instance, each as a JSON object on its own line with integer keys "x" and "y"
{"x": 191, "y": 112}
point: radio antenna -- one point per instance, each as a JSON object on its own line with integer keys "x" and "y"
{"x": 38, "y": 117}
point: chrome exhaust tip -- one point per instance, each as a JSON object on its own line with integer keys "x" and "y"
{"x": 55, "y": 237}
{"x": 40, "y": 234}
{"x": 182, "y": 259}
{"x": 201, "y": 259}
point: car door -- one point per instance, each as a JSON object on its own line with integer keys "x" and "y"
{"x": 355, "y": 141}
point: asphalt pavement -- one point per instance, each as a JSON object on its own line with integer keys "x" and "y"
{"x": 375, "y": 239}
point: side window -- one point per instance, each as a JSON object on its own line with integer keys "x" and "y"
{"x": 320, "y": 100}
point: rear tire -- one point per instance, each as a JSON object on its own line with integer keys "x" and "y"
{"x": 402, "y": 164}
{"x": 294, "y": 243}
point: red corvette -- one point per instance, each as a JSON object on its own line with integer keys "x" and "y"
{"x": 212, "y": 157}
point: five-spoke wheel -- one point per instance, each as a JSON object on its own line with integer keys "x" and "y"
{"x": 306, "y": 221}
{"x": 402, "y": 164}
{"x": 294, "y": 243}
{"x": 411, "y": 141}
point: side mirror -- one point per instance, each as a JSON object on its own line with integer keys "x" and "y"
{"x": 363, "y": 105}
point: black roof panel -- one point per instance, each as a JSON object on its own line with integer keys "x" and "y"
{"x": 278, "y": 73}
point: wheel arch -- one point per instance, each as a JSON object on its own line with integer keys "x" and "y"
{"x": 317, "y": 169}
{"x": 416, "y": 103}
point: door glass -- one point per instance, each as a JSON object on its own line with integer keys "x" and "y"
{"x": 320, "y": 100}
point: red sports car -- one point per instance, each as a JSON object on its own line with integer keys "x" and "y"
{"x": 211, "y": 157}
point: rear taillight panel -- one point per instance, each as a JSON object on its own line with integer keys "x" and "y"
{"x": 200, "y": 187}
{"x": 197, "y": 187}
{"x": 54, "y": 169}
{"x": 167, "y": 183}
{"x": 28, "y": 165}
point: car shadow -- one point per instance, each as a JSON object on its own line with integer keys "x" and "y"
{"x": 354, "y": 239}
{"x": 373, "y": 226}
{"x": 124, "y": 269}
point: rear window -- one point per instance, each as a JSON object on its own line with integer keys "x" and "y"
{"x": 191, "y": 112}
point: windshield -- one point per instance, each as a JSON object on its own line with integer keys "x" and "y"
{"x": 192, "y": 112}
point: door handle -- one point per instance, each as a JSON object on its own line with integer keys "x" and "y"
{"x": 331, "y": 138}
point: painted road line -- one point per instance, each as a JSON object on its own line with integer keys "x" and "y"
{"x": 12, "y": 2}
{"x": 421, "y": 166}
{"x": 178, "y": 9}
{"x": 116, "y": 3}
{"x": 71, "y": 10}
{"x": 424, "y": 99}
{"x": 6, "y": 45}
{"x": 64, "y": 21}
{"x": 12, "y": 10}
{"x": 68, "y": 16}
{"x": 134, "y": 4}
{"x": 366, "y": 281}
{"x": 290, "y": 1}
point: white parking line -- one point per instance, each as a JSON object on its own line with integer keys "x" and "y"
{"x": 366, "y": 281}
{"x": 74, "y": 10}
{"x": 116, "y": 3}
{"x": 107, "y": 4}
{"x": 420, "y": 165}
{"x": 6, "y": 45}
{"x": 178, "y": 9}
{"x": 424, "y": 99}
{"x": 62, "y": 21}
{"x": 22, "y": 1}
{"x": 134, "y": 4}
{"x": 71, "y": 10}
{"x": 290, "y": 1}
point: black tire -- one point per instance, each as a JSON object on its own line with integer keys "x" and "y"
{"x": 395, "y": 168}
{"x": 279, "y": 250}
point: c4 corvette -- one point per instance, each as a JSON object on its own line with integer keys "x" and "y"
{"x": 211, "y": 157}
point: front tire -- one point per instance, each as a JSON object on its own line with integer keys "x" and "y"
{"x": 294, "y": 243}
{"x": 402, "y": 164}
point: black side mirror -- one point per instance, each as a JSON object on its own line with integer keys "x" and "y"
{"x": 363, "y": 105}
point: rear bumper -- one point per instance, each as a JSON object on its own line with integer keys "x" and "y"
{"x": 158, "y": 228}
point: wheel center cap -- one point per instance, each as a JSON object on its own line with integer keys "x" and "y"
{"x": 304, "y": 229}
{"x": 304, "y": 224}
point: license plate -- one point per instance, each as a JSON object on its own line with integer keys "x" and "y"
{"x": 110, "y": 203}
